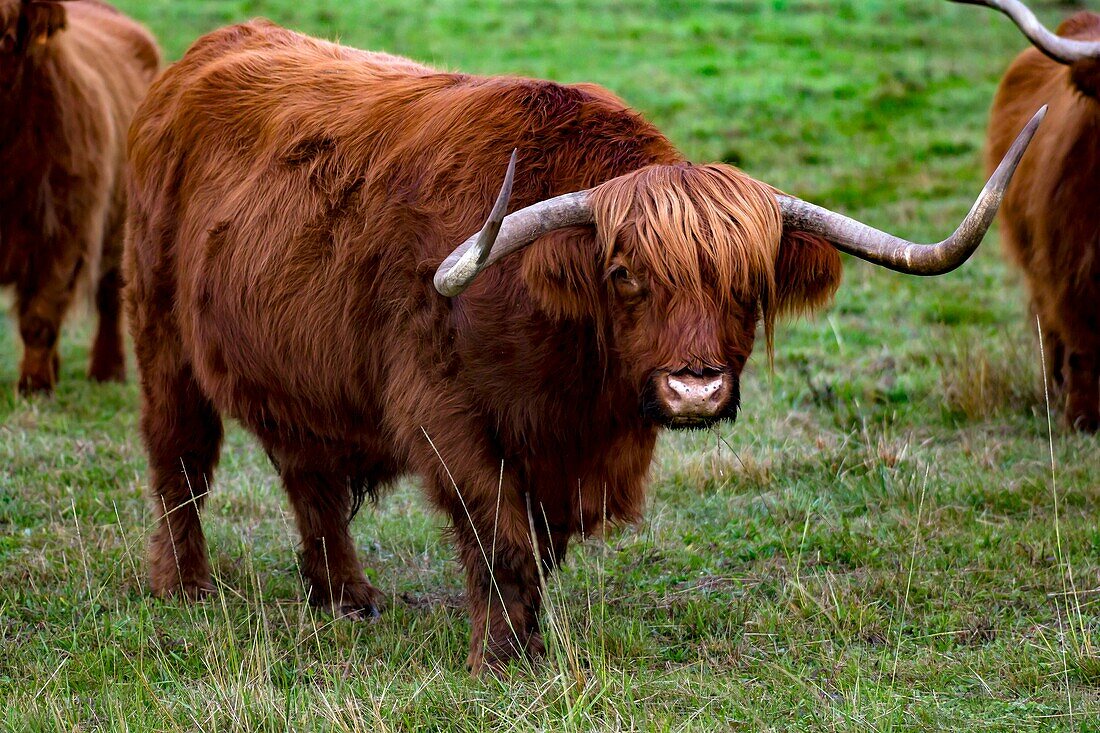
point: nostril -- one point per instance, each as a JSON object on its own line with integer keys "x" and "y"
{"x": 696, "y": 393}
{"x": 694, "y": 396}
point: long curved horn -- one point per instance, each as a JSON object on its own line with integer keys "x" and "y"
{"x": 1062, "y": 50}
{"x": 503, "y": 235}
{"x": 868, "y": 243}
{"x": 508, "y": 233}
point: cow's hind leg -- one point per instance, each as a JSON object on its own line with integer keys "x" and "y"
{"x": 108, "y": 364}
{"x": 41, "y": 364}
{"x": 322, "y": 496}
{"x": 183, "y": 434}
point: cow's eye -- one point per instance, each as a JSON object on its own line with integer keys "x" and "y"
{"x": 7, "y": 44}
{"x": 625, "y": 282}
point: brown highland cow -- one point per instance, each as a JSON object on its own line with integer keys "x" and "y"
{"x": 291, "y": 200}
{"x": 1050, "y": 221}
{"x": 71, "y": 75}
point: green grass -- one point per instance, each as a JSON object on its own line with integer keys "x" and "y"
{"x": 879, "y": 543}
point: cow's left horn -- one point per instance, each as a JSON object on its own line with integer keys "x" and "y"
{"x": 1062, "y": 50}
{"x": 868, "y": 243}
{"x": 503, "y": 235}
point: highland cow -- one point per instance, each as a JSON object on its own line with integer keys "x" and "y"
{"x": 1050, "y": 221}
{"x": 291, "y": 200}
{"x": 71, "y": 76}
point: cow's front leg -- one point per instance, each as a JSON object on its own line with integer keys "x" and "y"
{"x": 503, "y": 580}
{"x": 1083, "y": 389}
{"x": 493, "y": 519}
{"x": 41, "y": 308}
{"x": 503, "y": 596}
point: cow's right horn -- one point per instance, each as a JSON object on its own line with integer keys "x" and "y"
{"x": 1062, "y": 50}
{"x": 503, "y": 235}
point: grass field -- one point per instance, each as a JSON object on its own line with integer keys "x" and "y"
{"x": 888, "y": 539}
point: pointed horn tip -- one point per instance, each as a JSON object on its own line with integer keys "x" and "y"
{"x": 510, "y": 174}
{"x": 1032, "y": 125}
{"x": 1036, "y": 120}
{"x": 1027, "y": 134}
{"x": 478, "y": 248}
{"x": 501, "y": 204}
{"x": 1022, "y": 142}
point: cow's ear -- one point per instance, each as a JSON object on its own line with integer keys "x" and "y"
{"x": 562, "y": 272}
{"x": 807, "y": 273}
{"x": 39, "y": 21}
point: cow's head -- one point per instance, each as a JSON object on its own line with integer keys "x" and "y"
{"x": 685, "y": 262}
{"x": 25, "y": 26}
{"x": 1076, "y": 44}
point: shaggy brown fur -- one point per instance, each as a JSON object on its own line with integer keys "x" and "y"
{"x": 291, "y": 201}
{"x": 71, "y": 76}
{"x": 1050, "y": 219}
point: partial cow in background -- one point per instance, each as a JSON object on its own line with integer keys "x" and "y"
{"x": 1050, "y": 219}
{"x": 290, "y": 200}
{"x": 71, "y": 75}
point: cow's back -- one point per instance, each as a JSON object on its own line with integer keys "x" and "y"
{"x": 102, "y": 64}
{"x": 244, "y": 164}
{"x": 1044, "y": 230}
{"x": 298, "y": 194}
{"x": 70, "y": 140}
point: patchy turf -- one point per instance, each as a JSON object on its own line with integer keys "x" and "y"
{"x": 881, "y": 542}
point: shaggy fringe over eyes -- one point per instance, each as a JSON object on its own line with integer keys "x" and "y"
{"x": 703, "y": 230}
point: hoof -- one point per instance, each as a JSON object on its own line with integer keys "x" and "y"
{"x": 190, "y": 591}
{"x": 495, "y": 659}
{"x": 39, "y": 371}
{"x": 369, "y": 612}
{"x": 31, "y": 384}
{"x": 358, "y": 601}
{"x": 107, "y": 373}
{"x": 1085, "y": 423}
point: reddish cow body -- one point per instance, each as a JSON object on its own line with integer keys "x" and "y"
{"x": 71, "y": 76}
{"x": 291, "y": 199}
{"x": 1050, "y": 218}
